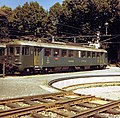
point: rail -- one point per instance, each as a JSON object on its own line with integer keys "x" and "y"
{"x": 96, "y": 110}
{"x": 62, "y": 104}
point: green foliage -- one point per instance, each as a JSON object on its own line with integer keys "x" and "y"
{"x": 73, "y": 17}
{"x": 76, "y": 14}
{"x": 5, "y": 12}
{"x": 52, "y": 20}
{"x": 87, "y": 16}
{"x": 28, "y": 19}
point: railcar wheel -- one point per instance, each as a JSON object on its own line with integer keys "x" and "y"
{"x": 27, "y": 71}
{"x": 32, "y": 71}
{"x": 72, "y": 68}
{"x": 47, "y": 70}
{"x": 82, "y": 68}
{"x": 23, "y": 73}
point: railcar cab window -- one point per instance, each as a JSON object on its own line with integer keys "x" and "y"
{"x": 56, "y": 52}
{"x": 17, "y": 50}
{"x": 10, "y": 50}
{"x": 64, "y": 53}
{"x": 25, "y": 51}
{"x": 70, "y": 53}
{"x": 1, "y": 51}
{"x": 47, "y": 52}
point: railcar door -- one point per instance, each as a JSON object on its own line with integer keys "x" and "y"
{"x": 101, "y": 58}
{"x": 36, "y": 56}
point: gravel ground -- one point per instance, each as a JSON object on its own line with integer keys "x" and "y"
{"x": 11, "y": 87}
{"x": 110, "y": 92}
{"x": 19, "y": 87}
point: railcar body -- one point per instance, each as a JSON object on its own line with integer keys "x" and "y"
{"x": 2, "y": 54}
{"x": 30, "y": 57}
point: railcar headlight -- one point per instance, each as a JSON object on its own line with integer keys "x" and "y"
{"x": 36, "y": 66}
{"x": 16, "y": 59}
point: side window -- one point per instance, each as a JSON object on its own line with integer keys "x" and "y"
{"x": 10, "y": 50}
{"x": 47, "y": 52}
{"x": 76, "y": 54}
{"x": 64, "y": 53}
{"x": 56, "y": 52}
{"x": 93, "y": 54}
{"x": 17, "y": 50}
{"x": 88, "y": 54}
{"x": 25, "y": 51}
{"x": 70, "y": 53}
{"x": 83, "y": 54}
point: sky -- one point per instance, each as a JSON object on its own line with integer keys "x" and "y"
{"x": 46, "y": 4}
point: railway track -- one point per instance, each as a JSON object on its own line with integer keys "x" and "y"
{"x": 56, "y": 105}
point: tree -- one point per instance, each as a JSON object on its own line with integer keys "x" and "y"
{"x": 5, "y": 12}
{"x": 115, "y": 22}
{"x": 74, "y": 17}
{"x": 53, "y": 19}
{"x": 28, "y": 19}
{"x": 104, "y": 12}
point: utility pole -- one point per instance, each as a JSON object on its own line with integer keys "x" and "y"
{"x": 106, "y": 28}
{"x": 53, "y": 39}
{"x": 4, "y": 68}
{"x": 74, "y": 39}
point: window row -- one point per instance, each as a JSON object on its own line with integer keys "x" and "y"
{"x": 16, "y": 51}
{"x": 2, "y": 52}
{"x": 53, "y": 52}
{"x": 22, "y": 50}
{"x": 71, "y": 53}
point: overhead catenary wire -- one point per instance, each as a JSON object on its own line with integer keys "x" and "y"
{"x": 76, "y": 28}
{"x": 114, "y": 36}
{"x": 111, "y": 42}
{"x": 68, "y": 26}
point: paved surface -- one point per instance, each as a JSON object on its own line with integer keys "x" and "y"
{"x": 11, "y": 87}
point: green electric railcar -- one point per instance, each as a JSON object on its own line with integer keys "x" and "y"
{"x": 31, "y": 57}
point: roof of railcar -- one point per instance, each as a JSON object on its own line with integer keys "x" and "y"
{"x": 2, "y": 45}
{"x": 54, "y": 45}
